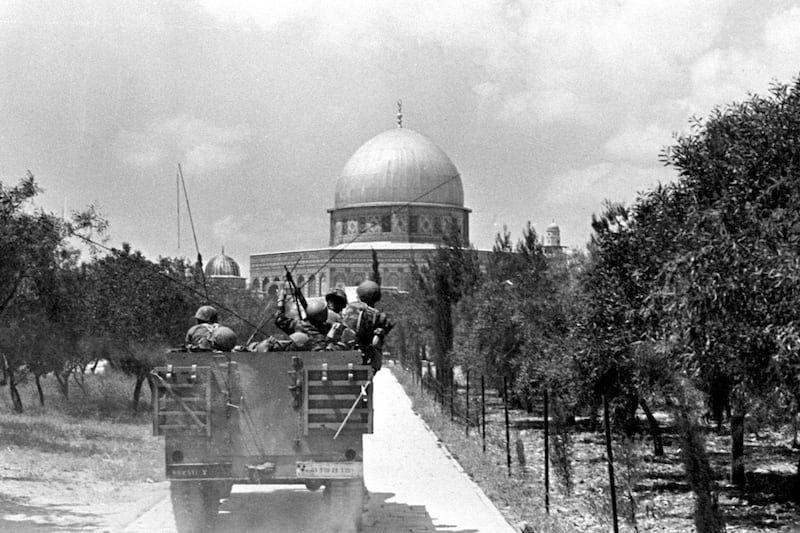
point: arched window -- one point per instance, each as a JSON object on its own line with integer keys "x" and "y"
{"x": 323, "y": 284}
{"x": 312, "y": 286}
{"x": 339, "y": 281}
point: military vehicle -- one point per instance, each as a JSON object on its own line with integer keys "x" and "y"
{"x": 263, "y": 418}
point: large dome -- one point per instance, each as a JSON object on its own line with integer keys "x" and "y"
{"x": 399, "y": 166}
{"x": 222, "y": 265}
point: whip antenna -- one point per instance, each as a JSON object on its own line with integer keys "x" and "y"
{"x": 194, "y": 234}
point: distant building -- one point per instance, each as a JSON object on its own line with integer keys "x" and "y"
{"x": 223, "y": 271}
{"x": 398, "y": 194}
{"x": 552, "y": 241}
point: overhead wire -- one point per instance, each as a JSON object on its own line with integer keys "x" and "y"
{"x": 163, "y": 274}
{"x": 373, "y": 224}
{"x": 205, "y": 287}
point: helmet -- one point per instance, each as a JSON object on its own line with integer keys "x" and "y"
{"x": 300, "y": 340}
{"x": 337, "y": 299}
{"x": 206, "y": 313}
{"x": 223, "y": 339}
{"x": 369, "y": 292}
{"x": 317, "y": 312}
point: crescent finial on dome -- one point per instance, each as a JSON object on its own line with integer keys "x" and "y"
{"x": 399, "y": 113}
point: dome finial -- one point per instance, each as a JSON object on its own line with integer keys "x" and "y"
{"x": 399, "y": 113}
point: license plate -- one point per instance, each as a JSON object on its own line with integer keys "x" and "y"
{"x": 200, "y": 471}
{"x": 329, "y": 470}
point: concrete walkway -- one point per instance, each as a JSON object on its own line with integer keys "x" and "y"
{"x": 410, "y": 477}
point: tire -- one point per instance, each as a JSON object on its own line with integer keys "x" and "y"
{"x": 195, "y": 505}
{"x": 345, "y": 505}
{"x": 313, "y": 485}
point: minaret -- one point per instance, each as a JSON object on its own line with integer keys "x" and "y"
{"x": 553, "y": 235}
{"x": 552, "y": 240}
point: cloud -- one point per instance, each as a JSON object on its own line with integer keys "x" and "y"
{"x": 226, "y": 228}
{"x": 202, "y": 146}
{"x": 727, "y": 74}
{"x": 638, "y": 143}
{"x": 586, "y": 188}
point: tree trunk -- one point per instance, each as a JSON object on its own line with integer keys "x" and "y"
{"x": 16, "y": 400}
{"x": 737, "y": 450}
{"x": 655, "y": 430}
{"x": 137, "y": 391}
{"x": 707, "y": 513}
{"x": 39, "y": 389}
{"x": 63, "y": 384}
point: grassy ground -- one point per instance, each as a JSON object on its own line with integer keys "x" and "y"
{"x": 652, "y": 495}
{"x": 82, "y": 463}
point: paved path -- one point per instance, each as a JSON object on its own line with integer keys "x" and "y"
{"x": 421, "y": 483}
{"x": 414, "y": 486}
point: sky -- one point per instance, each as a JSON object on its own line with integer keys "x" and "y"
{"x": 546, "y": 108}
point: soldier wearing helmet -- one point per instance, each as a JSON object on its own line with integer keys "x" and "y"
{"x": 336, "y": 300}
{"x": 362, "y": 326}
{"x": 297, "y": 342}
{"x": 223, "y": 339}
{"x": 198, "y": 338}
{"x": 315, "y": 325}
{"x": 369, "y": 292}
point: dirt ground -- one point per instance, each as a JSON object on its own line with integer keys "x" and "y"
{"x": 82, "y": 505}
{"x": 63, "y": 474}
{"x": 652, "y": 493}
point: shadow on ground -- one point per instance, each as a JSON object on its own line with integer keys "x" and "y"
{"x": 381, "y": 515}
{"x": 20, "y": 516}
{"x": 297, "y": 510}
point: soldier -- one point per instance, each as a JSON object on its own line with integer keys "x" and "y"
{"x": 198, "y": 337}
{"x": 297, "y": 342}
{"x": 223, "y": 339}
{"x": 315, "y": 325}
{"x": 336, "y": 300}
{"x": 362, "y": 327}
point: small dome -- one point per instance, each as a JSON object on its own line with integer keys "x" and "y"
{"x": 399, "y": 166}
{"x": 552, "y": 226}
{"x": 222, "y": 265}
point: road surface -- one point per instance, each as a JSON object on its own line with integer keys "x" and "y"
{"x": 413, "y": 484}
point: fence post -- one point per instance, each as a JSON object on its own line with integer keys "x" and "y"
{"x": 430, "y": 380}
{"x": 508, "y": 435}
{"x": 452, "y": 393}
{"x": 467, "y": 417}
{"x": 546, "y": 454}
{"x": 483, "y": 414}
{"x": 419, "y": 367}
{"x": 612, "y": 488}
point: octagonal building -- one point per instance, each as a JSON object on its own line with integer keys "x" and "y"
{"x": 397, "y": 194}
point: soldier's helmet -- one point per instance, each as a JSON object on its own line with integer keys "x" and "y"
{"x": 206, "y": 313}
{"x": 369, "y": 292}
{"x": 223, "y": 339}
{"x": 317, "y": 312}
{"x": 337, "y": 299}
{"x": 300, "y": 340}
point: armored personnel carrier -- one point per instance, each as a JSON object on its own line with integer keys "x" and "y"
{"x": 263, "y": 418}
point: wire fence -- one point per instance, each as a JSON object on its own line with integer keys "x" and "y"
{"x": 472, "y": 403}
